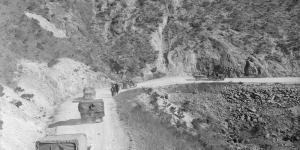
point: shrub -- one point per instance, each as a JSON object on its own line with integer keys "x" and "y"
{"x": 27, "y": 96}
{"x": 130, "y": 53}
{"x": 18, "y": 89}
{"x": 52, "y": 62}
{"x": 16, "y": 103}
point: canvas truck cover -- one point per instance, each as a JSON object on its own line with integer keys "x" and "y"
{"x": 92, "y": 107}
{"x": 62, "y": 142}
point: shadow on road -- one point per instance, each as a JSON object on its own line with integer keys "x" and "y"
{"x": 70, "y": 122}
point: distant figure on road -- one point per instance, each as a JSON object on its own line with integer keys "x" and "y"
{"x": 117, "y": 88}
{"x": 113, "y": 89}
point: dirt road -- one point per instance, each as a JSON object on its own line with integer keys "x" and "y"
{"x": 110, "y": 134}
{"x": 187, "y": 79}
{"x": 107, "y": 135}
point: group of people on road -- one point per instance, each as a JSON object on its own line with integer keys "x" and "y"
{"x": 115, "y": 88}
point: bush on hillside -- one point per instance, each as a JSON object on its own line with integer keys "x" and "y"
{"x": 27, "y": 96}
{"x": 17, "y": 103}
{"x": 52, "y": 62}
{"x": 120, "y": 34}
{"x": 18, "y": 89}
{"x": 130, "y": 54}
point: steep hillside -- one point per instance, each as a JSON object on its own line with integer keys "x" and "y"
{"x": 143, "y": 37}
{"x": 27, "y": 109}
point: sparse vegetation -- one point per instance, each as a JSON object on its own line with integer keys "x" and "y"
{"x": 226, "y": 115}
{"x": 130, "y": 54}
{"x": 52, "y": 62}
{"x": 18, "y": 89}
{"x": 243, "y": 114}
{"x": 213, "y": 37}
{"x": 150, "y": 132}
{"x": 17, "y": 103}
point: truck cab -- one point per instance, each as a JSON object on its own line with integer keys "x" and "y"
{"x": 63, "y": 142}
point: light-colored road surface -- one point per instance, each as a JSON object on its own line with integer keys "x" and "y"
{"x": 187, "y": 79}
{"x": 107, "y": 135}
{"x": 110, "y": 135}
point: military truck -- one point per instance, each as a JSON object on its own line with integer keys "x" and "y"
{"x": 63, "y": 142}
{"x": 91, "y": 109}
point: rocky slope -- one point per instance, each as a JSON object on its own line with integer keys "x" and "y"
{"x": 228, "y": 116}
{"x": 143, "y": 37}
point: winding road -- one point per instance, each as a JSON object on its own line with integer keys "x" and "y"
{"x": 110, "y": 134}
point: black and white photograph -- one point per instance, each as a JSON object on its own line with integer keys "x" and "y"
{"x": 149, "y": 74}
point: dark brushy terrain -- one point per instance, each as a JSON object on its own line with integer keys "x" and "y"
{"x": 225, "y": 116}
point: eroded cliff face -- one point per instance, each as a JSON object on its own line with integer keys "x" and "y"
{"x": 143, "y": 37}
{"x": 214, "y": 37}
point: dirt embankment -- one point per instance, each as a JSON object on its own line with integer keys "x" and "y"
{"x": 216, "y": 115}
{"x": 105, "y": 135}
{"x": 146, "y": 131}
{"x": 28, "y": 108}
